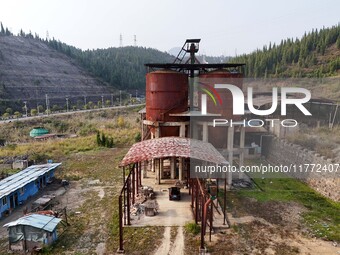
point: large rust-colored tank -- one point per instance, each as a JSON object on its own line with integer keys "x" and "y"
{"x": 218, "y": 135}
{"x": 166, "y": 93}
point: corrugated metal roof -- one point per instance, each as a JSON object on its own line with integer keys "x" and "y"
{"x": 172, "y": 147}
{"x": 47, "y": 223}
{"x": 24, "y": 177}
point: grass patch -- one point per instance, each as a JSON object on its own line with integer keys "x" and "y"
{"x": 192, "y": 228}
{"x": 85, "y": 125}
{"x": 322, "y": 217}
{"x": 321, "y": 140}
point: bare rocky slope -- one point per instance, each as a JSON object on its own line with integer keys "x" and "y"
{"x": 29, "y": 69}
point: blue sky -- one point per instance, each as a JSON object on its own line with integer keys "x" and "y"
{"x": 225, "y": 27}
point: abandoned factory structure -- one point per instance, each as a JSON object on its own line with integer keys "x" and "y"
{"x": 177, "y": 132}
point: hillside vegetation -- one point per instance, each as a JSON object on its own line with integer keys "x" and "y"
{"x": 31, "y": 67}
{"x": 79, "y": 134}
{"x": 316, "y": 54}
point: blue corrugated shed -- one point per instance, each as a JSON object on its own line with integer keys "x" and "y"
{"x": 47, "y": 223}
{"x": 17, "y": 188}
{"x": 32, "y": 232}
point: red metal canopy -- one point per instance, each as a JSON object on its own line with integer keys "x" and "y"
{"x": 172, "y": 147}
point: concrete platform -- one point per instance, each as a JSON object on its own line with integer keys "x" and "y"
{"x": 170, "y": 213}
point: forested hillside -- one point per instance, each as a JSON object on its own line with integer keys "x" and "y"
{"x": 121, "y": 67}
{"x": 316, "y": 54}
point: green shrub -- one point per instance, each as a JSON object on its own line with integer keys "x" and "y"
{"x": 120, "y": 122}
{"x": 39, "y": 158}
{"x": 192, "y": 228}
{"x": 103, "y": 140}
{"x": 138, "y": 137}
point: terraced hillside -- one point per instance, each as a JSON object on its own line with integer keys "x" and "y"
{"x": 29, "y": 69}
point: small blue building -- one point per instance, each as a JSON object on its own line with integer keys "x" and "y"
{"x": 17, "y": 188}
{"x": 32, "y": 232}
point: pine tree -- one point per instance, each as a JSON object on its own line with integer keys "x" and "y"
{"x": 99, "y": 141}
{"x": 103, "y": 140}
{"x": 2, "y": 32}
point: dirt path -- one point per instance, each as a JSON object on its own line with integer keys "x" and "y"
{"x": 165, "y": 246}
{"x": 178, "y": 246}
{"x": 168, "y": 248}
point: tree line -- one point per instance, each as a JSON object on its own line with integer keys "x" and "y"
{"x": 124, "y": 67}
{"x": 305, "y": 57}
{"x": 121, "y": 67}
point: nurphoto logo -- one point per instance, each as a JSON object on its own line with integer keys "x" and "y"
{"x": 238, "y": 100}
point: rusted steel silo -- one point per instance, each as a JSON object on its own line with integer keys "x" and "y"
{"x": 222, "y": 101}
{"x": 166, "y": 93}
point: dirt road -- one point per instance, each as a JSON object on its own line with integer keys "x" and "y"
{"x": 171, "y": 248}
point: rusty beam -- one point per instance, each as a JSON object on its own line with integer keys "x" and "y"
{"x": 121, "y": 247}
{"x": 137, "y": 177}
{"x": 196, "y": 202}
{"x": 225, "y": 201}
{"x": 128, "y": 201}
{"x": 133, "y": 184}
{"x": 203, "y": 222}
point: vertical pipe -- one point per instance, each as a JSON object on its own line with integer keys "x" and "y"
{"x": 128, "y": 200}
{"x": 196, "y": 202}
{"x": 124, "y": 204}
{"x": 192, "y": 197}
{"x": 172, "y": 167}
{"x": 161, "y": 165}
{"x": 124, "y": 195}
{"x": 140, "y": 173}
{"x": 204, "y": 219}
{"x": 202, "y": 231}
{"x": 159, "y": 171}
{"x": 218, "y": 184}
{"x": 137, "y": 178}
{"x": 133, "y": 183}
{"x": 225, "y": 201}
{"x": 211, "y": 219}
{"x": 189, "y": 181}
{"x": 121, "y": 248}
{"x": 180, "y": 168}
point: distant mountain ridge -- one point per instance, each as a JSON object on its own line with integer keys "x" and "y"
{"x": 31, "y": 67}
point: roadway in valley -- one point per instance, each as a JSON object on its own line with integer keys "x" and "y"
{"x": 66, "y": 113}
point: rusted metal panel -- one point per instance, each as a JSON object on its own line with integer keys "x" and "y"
{"x": 166, "y": 93}
{"x": 224, "y": 107}
{"x": 172, "y": 147}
